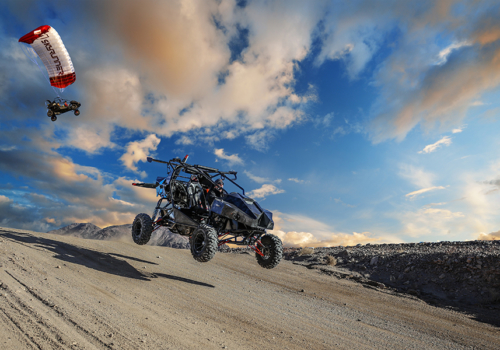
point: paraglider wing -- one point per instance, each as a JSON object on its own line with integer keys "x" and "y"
{"x": 48, "y": 45}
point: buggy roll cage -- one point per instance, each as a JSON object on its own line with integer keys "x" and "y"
{"x": 175, "y": 165}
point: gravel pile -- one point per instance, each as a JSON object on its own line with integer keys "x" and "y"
{"x": 455, "y": 272}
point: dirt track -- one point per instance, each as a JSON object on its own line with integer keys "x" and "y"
{"x": 69, "y": 293}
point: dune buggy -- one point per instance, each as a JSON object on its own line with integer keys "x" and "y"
{"x": 187, "y": 207}
{"x": 60, "y": 106}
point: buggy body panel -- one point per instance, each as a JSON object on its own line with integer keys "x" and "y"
{"x": 244, "y": 210}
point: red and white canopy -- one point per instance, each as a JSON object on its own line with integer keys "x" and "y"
{"x": 48, "y": 45}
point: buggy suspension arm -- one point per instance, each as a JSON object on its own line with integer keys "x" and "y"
{"x": 254, "y": 247}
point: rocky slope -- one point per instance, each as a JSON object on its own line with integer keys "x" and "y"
{"x": 161, "y": 237}
{"x": 457, "y": 272}
{"x": 453, "y": 273}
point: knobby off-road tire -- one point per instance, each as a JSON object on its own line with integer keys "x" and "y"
{"x": 203, "y": 243}
{"x": 50, "y": 113}
{"x": 142, "y": 229}
{"x": 272, "y": 249}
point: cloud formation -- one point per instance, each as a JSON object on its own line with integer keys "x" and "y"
{"x": 59, "y": 192}
{"x": 301, "y": 231}
{"x": 417, "y": 176}
{"x": 264, "y": 191}
{"x": 176, "y": 72}
{"x": 415, "y": 90}
{"x": 259, "y": 179}
{"x": 230, "y": 158}
{"x": 445, "y": 141}
{"x": 138, "y": 151}
{"x": 294, "y": 179}
{"x": 414, "y": 194}
{"x": 492, "y": 236}
{"x": 432, "y": 222}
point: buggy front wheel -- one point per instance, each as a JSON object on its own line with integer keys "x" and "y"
{"x": 142, "y": 229}
{"x": 77, "y": 112}
{"x": 203, "y": 243}
{"x": 272, "y": 249}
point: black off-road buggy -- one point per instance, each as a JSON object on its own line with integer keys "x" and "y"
{"x": 60, "y": 106}
{"x": 184, "y": 208}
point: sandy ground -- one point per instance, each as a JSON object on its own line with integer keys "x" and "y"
{"x": 69, "y": 293}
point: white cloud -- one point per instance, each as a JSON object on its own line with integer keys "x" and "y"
{"x": 231, "y": 159}
{"x": 264, "y": 191}
{"x": 323, "y": 122}
{"x": 492, "y": 236}
{"x": 259, "y": 179}
{"x": 352, "y": 36}
{"x": 458, "y": 130}
{"x": 445, "y": 141}
{"x": 89, "y": 137}
{"x": 414, "y": 194}
{"x": 260, "y": 139}
{"x": 444, "y": 53}
{"x": 184, "y": 140}
{"x": 138, "y": 151}
{"x": 299, "y": 181}
{"x": 432, "y": 222}
{"x": 416, "y": 176}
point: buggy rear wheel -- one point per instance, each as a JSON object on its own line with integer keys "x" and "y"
{"x": 272, "y": 248}
{"x": 53, "y": 118}
{"x": 203, "y": 243}
{"x": 50, "y": 113}
{"x": 142, "y": 229}
{"x": 77, "y": 112}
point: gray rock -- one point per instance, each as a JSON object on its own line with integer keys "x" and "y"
{"x": 465, "y": 269}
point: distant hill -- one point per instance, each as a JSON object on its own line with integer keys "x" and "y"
{"x": 83, "y": 230}
{"x": 161, "y": 237}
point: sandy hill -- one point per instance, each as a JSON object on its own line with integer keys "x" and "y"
{"x": 65, "y": 292}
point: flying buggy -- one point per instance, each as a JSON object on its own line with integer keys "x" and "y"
{"x": 60, "y": 106}
{"x": 187, "y": 208}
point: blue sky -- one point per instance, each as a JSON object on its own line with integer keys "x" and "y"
{"x": 354, "y": 122}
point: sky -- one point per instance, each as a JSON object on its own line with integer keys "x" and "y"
{"x": 353, "y": 122}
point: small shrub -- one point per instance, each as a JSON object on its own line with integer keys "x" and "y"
{"x": 306, "y": 251}
{"x": 331, "y": 260}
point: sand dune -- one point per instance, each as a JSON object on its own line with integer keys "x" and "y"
{"x": 64, "y": 292}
